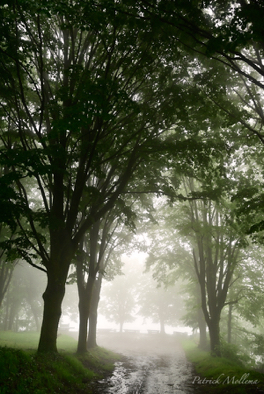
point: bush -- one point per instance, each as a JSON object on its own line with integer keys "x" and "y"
{"x": 232, "y": 353}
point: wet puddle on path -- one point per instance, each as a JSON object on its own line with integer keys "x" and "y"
{"x": 151, "y": 366}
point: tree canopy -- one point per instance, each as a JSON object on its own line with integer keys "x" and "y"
{"x": 101, "y": 98}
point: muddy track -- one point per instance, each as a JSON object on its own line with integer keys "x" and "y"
{"x": 151, "y": 365}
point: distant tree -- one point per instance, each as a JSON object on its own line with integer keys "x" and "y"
{"x": 98, "y": 248}
{"x": 216, "y": 240}
{"x": 119, "y": 236}
{"x": 6, "y": 272}
{"x": 248, "y": 288}
{"x": 171, "y": 262}
{"x": 163, "y": 305}
{"x": 118, "y": 301}
{"x": 203, "y": 242}
{"x": 194, "y": 316}
{"x": 22, "y": 305}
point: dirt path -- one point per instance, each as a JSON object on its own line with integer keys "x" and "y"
{"x": 152, "y": 365}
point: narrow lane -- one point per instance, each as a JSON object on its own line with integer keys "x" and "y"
{"x": 152, "y": 365}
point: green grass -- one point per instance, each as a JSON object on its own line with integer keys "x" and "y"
{"x": 100, "y": 360}
{"x": 19, "y": 340}
{"x": 23, "y": 371}
{"x": 223, "y": 371}
{"x": 29, "y": 340}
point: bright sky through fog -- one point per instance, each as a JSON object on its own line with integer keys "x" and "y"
{"x": 140, "y": 323}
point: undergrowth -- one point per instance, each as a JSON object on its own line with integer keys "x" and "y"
{"x": 222, "y": 374}
{"x": 23, "y": 371}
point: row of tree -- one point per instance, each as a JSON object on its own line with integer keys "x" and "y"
{"x": 135, "y": 295}
{"x": 102, "y": 102}
{"x": 202, "y": 241}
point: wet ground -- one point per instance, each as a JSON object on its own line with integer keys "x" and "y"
{"x": 152, "y": 364}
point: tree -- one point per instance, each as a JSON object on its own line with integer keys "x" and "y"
{"x": 119, "y": 297}
{"x": 216, "y": 242}
{"x": 87, "y": 91}
{"x": 117, "y": 234}
{"x": 170, "y": 260}
{"x": 229, "y": 32}
{"x": 227, "y": 38}
{"x": 6, "y": 272}
{"x": 249, "y": 286}
{"x": 8, "y": 227}
{"x": 97, "y": 250}
{"x": 161, "y": 304}
{"x": 194, "y": 316}
{"x": 231, "y": 35}
{"x": 93, "y": 315}
{"x": 22, "y": 305}
{"x": 119, "y": 304}
{"x": 202, "y": 229}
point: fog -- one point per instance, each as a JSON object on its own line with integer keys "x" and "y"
{"x": 133, "y": 305}
{"x": 131, "y": 292}
{"x": 139, "y": 293}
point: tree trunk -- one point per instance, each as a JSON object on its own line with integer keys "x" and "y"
{"x": 52, "y": 297}
{"x": 61, "y": 253}
{"x": 162, "y": 322}
{"x": 36, "y": 318}
{"x": 85, "y": 297}
{"x": 85, "y": 288}
{"x": 229, "y": 324}
{"x": 91, "y": 342}
{"x": 121, "y": 326}
{"x": 83, "y": 325}
{"x": 214, "y": 331}
{"x": 7, "y": 308}
{"x": 13, "y": 311}
{"x": 202, "y": 329}
{"x": 162, "y": 327}
{"x": 5, "y": 279}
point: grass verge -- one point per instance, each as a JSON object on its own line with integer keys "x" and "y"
{"x": 23, "y": 371}
{"x": 216, "y": 375}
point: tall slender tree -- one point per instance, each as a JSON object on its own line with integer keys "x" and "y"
{"x": 91, "y": 264}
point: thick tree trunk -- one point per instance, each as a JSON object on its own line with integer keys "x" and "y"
{"x": 52, "y": 297}
{"x": 91, "y": 342}
{"x": 61, "y": 254}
